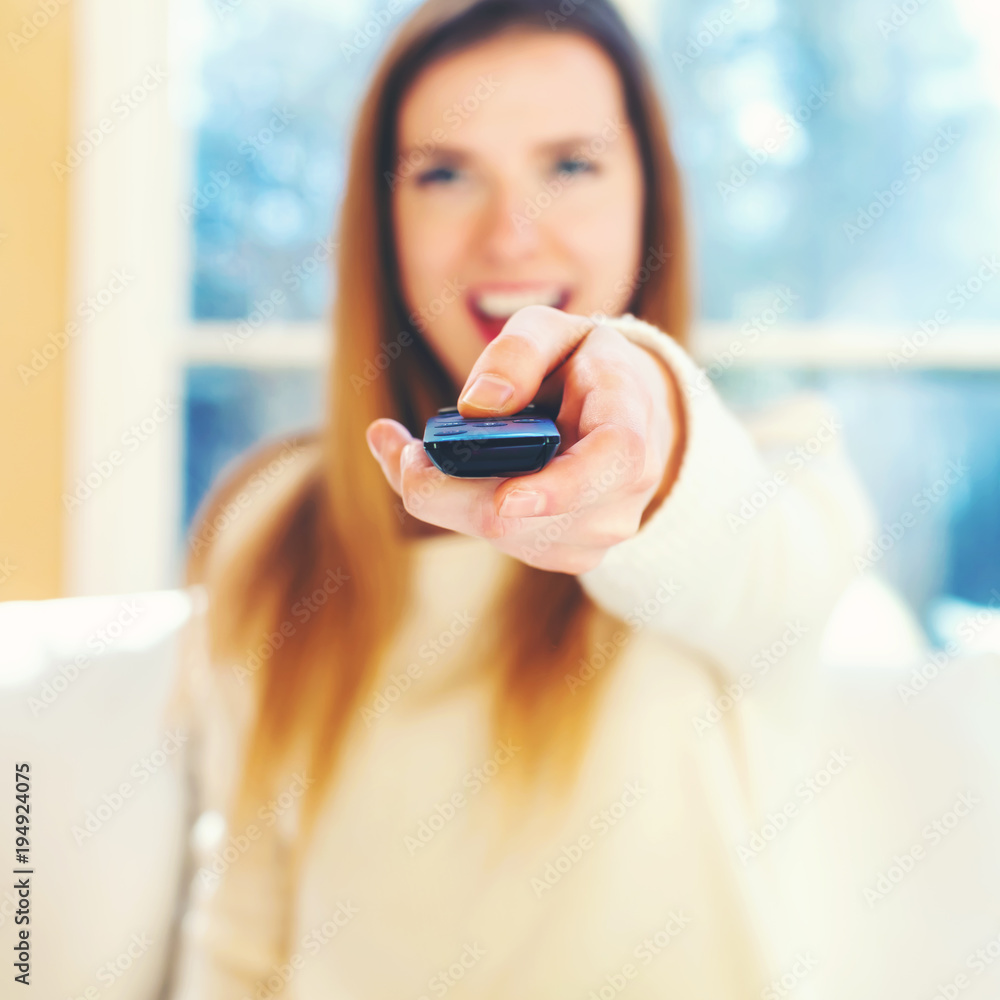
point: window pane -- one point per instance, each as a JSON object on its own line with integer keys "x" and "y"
{"x": 826, "y": 149}
{"x": 272, "y": 110}
{"x": 842, "y": 155}
{"x": 846, "y": 151}
{"x": 927, "y": 447}
{"x": 229, "y": 409}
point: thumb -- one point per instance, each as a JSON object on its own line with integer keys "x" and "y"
{"x": 534, "y": 342}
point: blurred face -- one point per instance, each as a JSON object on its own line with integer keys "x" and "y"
{"x": 518, "y": 181}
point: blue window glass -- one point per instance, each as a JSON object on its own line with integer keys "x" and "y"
{"x": 843, "y": 155}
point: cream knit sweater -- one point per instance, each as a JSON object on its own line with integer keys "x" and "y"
{"x": 671, "y": 871}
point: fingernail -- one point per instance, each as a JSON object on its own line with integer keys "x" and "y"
{"x": 522, "y": 503}
{"x": 488, "y": 392}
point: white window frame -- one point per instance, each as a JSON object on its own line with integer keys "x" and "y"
{"x": 126, "y": 196}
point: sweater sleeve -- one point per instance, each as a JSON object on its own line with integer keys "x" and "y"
{"x": 233, "y": 930}
{"x": 758, "y": 534}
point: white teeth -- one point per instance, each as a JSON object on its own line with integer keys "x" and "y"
{"x": 501, "y": 305}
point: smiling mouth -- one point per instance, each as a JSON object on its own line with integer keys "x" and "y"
{"x": 491, "y": 309}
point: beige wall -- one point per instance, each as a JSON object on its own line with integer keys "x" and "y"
{"x": 34, "y": 106}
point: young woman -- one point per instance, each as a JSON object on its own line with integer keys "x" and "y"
{"x": 472, "y": 736}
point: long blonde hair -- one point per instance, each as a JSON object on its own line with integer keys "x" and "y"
{"x": 337, "y": 518}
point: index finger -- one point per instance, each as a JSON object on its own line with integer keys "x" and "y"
{"x": 506, "y": 376}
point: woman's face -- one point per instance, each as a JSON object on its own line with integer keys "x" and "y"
{"x": 518, "y": 181}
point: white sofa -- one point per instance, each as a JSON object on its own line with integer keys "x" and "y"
{"x": 83, "y": 685}
{"x": 83, "y": 690}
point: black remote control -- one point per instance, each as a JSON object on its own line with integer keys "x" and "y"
{"x": 487, "y": 447}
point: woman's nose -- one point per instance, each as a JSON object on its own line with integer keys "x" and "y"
{"x": 509, "y": 226}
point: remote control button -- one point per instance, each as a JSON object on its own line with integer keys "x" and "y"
{"x": 449, "y": 431}
{"x": 490, "y": 423}
{"x": 524, "y": 420}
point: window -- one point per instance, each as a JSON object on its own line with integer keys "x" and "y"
{"x": 840, "y": 168}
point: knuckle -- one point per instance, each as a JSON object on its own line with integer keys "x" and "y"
{"x": 528, "y": 327}
{"x": 536, "y": 316}
{"x": 605, "y": 332}
{"x": 607, "y": 371}
{"x": 515, "y": 347}
{"x": 517, "y": 340}
{"x": 585, "y": 371}
{"x": 629, "y": 449}
{"x": 488, "y": 524}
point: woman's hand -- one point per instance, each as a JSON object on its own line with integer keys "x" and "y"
{"x": 618, "y": 418}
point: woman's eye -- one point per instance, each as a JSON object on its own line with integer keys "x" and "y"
{"x": 437, "y": 175}
{"x": 574, "y": 165}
